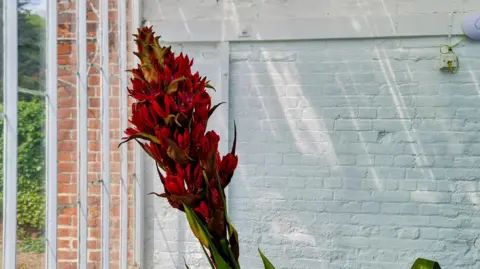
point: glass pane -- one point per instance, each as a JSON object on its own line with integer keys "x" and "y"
{"x": 31, "y": 135}
{"x": 31, "y": 46}
{"x": 31, "y": 181}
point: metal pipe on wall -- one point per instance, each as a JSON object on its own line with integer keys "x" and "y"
{"x": 82, "y": 137}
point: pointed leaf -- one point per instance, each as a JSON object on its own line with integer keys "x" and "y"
{"x": 208, "y": 257}
{"x": 208, "y": 85}
{"x": 233, "y": 238}
{"x": 425, "y": 264}
{"x": 160, "y": 52}
{"x": 135, "y": 74}
{"x": 181, "y": 119}
{"x": 224, "y": 245}
{"x": 190, "y": 200}
{"x": 234, "y": 138}
{"x": 148, "y": 151}
{"x": 149, "y": 72}
{"x": 157, "y": 43}
{"x": 216, "y": 224}
{"x": 173, "y": 86}
{"x": 219, "y": 261}
{"x": 158, "y": 166}
{"x": 141, "y": 135}
{"x": 210, "y": 112}
{"x": 163, "y": 195}
{"x": 201, "y": 232}
{"x": 176, "y": 153}
{"x": 170, "y": 119}
{"x": 138, "y": 54}
{"x": 232, "y": 232}
{"x": 197, "y": 227}
{"x": 146, "y": 65}
{"x": 177, "y": 122}
{"x": 266, "y": 263}
{"x": 226, "y": 249}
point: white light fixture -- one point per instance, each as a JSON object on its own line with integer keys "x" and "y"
{"x": 471, "y": 26}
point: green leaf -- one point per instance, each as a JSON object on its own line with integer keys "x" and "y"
{"x": 208, "y": 257}
{"x": 224, "y": 245}
{"x": 266, "y": 263}
{"x": 208, "y": 85}
{"x": 204, "y": 237}
{"x": 233, "y": 238}
{"x": 425, "y": 264}
{"x": 143, "y": 136}
{"x": 219, "y": 261}
{"x": 196, "y": 226}
{"x": 234, "y": 249}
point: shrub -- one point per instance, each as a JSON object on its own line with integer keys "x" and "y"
{"x": 31, "y": 164}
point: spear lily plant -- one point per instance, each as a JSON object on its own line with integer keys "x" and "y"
{"x": 169, "y": 121}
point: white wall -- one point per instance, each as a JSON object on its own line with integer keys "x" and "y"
{"x": 213, "y": 20}
{"x": 354, "y": 153}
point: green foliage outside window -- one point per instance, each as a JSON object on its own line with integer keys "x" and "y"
{"x": 31, "y": 122}
{"x": 31, "y": 50}
{"x": 31, "y": 164}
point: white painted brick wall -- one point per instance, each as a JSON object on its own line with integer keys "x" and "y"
{"x": 248, "y": 10}
{"x": 354, "y": 154}
{"x": 379, "y": 153}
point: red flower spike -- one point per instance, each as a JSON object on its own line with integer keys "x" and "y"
{"x": 171, "y": 110}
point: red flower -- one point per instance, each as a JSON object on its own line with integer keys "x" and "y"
{"x": 169, "y": 120}
{"x": 227, "y": 167}
{"x": 208, "y": 145}
{"x": 203, "y": 210}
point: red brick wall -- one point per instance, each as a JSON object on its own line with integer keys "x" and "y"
{"x": 67, "y": 139}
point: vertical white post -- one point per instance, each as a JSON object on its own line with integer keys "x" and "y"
{"x": 82, "y": 137}
{"x": 52, "y": 141}
{"x": 10, "y": 152}
{"x": 139, "y": 166}
{"x": 222, "y": 95}
{"x": 221, "y": 115}
{"x": 105, "y": 76}
{"x": 122, "y": 26}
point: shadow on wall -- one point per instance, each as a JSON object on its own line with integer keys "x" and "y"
{"x": 355, "y": 154}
